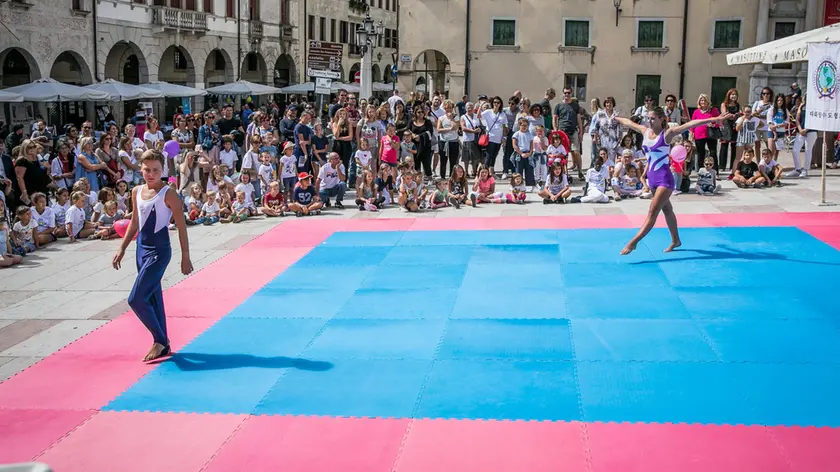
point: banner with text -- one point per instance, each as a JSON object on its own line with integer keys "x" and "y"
{"x": 823, "y": 104}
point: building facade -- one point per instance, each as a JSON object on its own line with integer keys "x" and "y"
{"x": 626, "y": 49}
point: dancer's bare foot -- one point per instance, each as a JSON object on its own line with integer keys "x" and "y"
{"x": 630, "y": 247}
{"x": 673, "y": 246}
{"x": 157, "y": 351}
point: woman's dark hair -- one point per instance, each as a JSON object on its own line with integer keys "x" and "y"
{"x": 781, "y": 97}
{"x": 535, "y": 106}
{"x": 610, "y": 99}
{"x": 766, "y": 89}
{"x": 514, "y": 100}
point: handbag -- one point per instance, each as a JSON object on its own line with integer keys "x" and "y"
{"x": 484, "y": 139}
{"x": 715, "y": 133}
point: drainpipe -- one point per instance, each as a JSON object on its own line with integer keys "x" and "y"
{"x": 305, "y": 39}
{"x": 238, "y": 39}
{"x": 95, "y": 42}
{"x": 682, "y": 57}
{"x": 467, "y": 54}
{"x": 397, "y": 49}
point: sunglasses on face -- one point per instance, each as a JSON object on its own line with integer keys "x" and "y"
{"x": 669, "y": 100}
{"x": 567, "y": 93}
{"x": 766, "y": 93}
{"x": 648, "y": 101}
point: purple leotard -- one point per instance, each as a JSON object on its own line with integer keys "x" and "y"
{"x": 658, "y": 171}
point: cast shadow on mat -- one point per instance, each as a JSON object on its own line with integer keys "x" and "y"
{"x": 728, "y": 253}
{"x": 194, "y": 361}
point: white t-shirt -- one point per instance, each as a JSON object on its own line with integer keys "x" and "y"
{"x": 24, "y": 233}
{"x": 251, "y": 160}
{"x": 364, "y": 158}
{"x": 75, "y": 217}
{"x": 45, "y": 221}
{"x": 288, "y": 164}
{"x": 153, "y": 138}
{"x": 472, "y": 123}
{"x": 540, "y": 144}
{"x": 557, "y": 150}
{"x": 214, "y": 186}
{"x": 760, "y": 108}
{"x": 228, "y": 158}
{"x": 555, "y": 186}
{"x": 249, "y": 192}
{"x": 329, "y": 175}
{"x": 523, "y": 141}
{"x": 596, "y": 179}
{"x": 210, "y": 209}
{"x": 766, "y": 167}
{"x": 56, "y": 170}
{"x": 138, "y": 143}
{"x": 448, "y": 136}
{"x": 128, "y": 174}
{"x": 495, "y": 125}
{"x": 266, "y": 174}
{"x": 60, "y": 212}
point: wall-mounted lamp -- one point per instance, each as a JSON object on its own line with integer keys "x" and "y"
{"x": 617, "y": 4}
{"x": 379, "y": 56}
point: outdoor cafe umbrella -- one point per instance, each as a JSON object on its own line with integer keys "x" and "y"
{"x": 51, "y": 90}
{"x": 173, "y": 90}
{"x": 310, "y": 87}
{"x": 243, "y": 87}
{"x": 120, "y": 91}
{"x": 10, "y": 97}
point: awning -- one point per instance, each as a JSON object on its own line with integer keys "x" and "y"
{"x": 120, "y": 91}
{"x": 786, "y": 50}
{"x": 243, "y": 87}
{"x": 51, "y": 90}
{"x": 174, "y": 90}
{"x": 10, "y": 97}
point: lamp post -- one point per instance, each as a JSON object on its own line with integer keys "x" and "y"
{"x": 394, "y": 70}
{"x": 617, "y": 5}
{"x": 367, "y": 36}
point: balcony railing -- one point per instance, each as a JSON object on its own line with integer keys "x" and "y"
{"x": 182, "y": 20}
{"x": 255, "y": 29}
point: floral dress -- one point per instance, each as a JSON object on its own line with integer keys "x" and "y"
{"x": 609, "y": 131}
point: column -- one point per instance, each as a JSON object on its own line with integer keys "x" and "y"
{"x": 759, "y": 75}
{"x": 366, "y": 73}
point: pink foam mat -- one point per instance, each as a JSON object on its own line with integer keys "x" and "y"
{"x": 126, "y": 338}
{"x": 185, "y": 302}
{"x": 71, "y": 383}
{"x": 828, "y": 234}
{"x": 487, "y": 446}
{"x": 809, "y": 449}
{"x": 126, "y": 442}
{"x": 26, "y": 433}
{"x": 304, "y": 444}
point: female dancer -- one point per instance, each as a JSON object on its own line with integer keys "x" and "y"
{"x": 154, "y": 204}
{"x": 660, "y": 179}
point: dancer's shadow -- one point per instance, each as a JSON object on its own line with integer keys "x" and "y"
{"x": 194, "y": 361}
{"x": 729, "y": 253}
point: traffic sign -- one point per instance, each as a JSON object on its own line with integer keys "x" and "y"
{"x": 394, "y": 72}
{"x": 357, "y": 77}
{"x": 322, "y": 86}
{"x": 405, "y": 58}
{"x": 325, "y": 56}
{"x": 324, "y": 74}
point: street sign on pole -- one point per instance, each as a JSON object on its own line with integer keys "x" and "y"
{"x": 357, "y": 77}
{"x": 325, "y": 56}
{"x": 324, "y": 74}
{"x": 394, "y": 72}
{"x": 322, "y": 86}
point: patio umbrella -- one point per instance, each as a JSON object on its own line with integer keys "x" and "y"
{"x": 120, "y": 91}
{"x": 173, "y": 90}
{"x": 299, "y": 88}
{"x": 10, "y": 97}
{"x": 243, "y": 87}
{"x": 786, "y": 50}
{"x": 50, "y": 90}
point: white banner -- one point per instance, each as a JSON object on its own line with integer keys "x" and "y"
{"x": 823, "y": 103}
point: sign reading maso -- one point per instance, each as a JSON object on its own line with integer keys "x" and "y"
{"x": 325, "y": 56}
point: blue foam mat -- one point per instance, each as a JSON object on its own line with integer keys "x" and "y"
{"x": 640, "y": 340}
{"x": 378, "y": 338}
{"x": 507, "y": 339}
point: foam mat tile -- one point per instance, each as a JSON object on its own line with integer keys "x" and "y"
{"x": 641, "y": 274}
{"x": 799, "y": 340}
{"x": 501, "y": 390}
{"x": 640, "y": 340}
{"x": 442, "y": 238}
{"x": 432, "y": 255}
{"x": 598, "y": 302}
{"x": 707, "y": 303}
{"x": 257, "y": 336}
{"x": 419, "y": 276}
{"x": 363, "y": 239}
{"x": 305, "y": 444}
{"x": 513, "y": 254}
{"x": 493, "y": 446}
{"x": 324, "y": 256}
{"x": 27, "y": 433}
{"x": 507, "y": 339}
{"x": 352, "y": 387}
{"x": 811, "y": 449}
{"x": 300, "y": 277}
{"x": 404, "y": 303}
{"x": 295, "y": 302}
{"x": 125, "y": 441}
{"x": 543, "y": 302}
{"x": 377, "y": 338}
{"x": 196, "y": 303}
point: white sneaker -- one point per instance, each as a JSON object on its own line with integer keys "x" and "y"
{"x": 677, "y": 192}
{"x": 646, "y": 195}
{"x": 529, "y": 189}
{"x": 794, "y": 174}
{"x": 803, "y": 174}
{"x": 504, "y": 176}
{"x": 370, "y": 207}
{"x": 171, "y": 226}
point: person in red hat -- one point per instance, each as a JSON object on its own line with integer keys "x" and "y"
{"x": 305, "y": 200}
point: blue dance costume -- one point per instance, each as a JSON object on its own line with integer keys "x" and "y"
{"x": 153, "y": 254}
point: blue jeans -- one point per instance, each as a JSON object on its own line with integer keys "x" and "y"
{"x": 337, "y": 192}
{"x": 524, "y": 168}
{"x": 207, "y": 220}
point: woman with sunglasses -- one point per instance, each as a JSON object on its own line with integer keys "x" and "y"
{"x": 209, "y": 139}
{"x": 496, "y": 124}
{"x": 656, "y": 138}
{"x": 759, "y": 110}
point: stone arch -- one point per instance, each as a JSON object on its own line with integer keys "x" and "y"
{"x": 70, "y": 67}
{"x": 177, "y": 67}
{"x": 17, "y": 67}
{"x": 376, "y": 72}
{"x": 218, "y": 68}
{"x": 353, "y": 69}
{"x": 254, "y": 69}
{"x": 386, "y": 74}
{"x": 125, "y": 62}
{"x": 285, "y": 72}
{"x": 433, "y": 67}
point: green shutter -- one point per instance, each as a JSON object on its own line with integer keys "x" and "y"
{"x": 504, "y": 33}
{"x": 577, "y": 34}
{"x": 651, "y": 34}
{"x": 727, "y": 34}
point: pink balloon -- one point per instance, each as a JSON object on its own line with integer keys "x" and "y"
{"x": 172, "y": 147}
{"x": 678, "y": 153}
{"x": 121, "y": 226}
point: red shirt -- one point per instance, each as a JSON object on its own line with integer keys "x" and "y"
{"x": 273, "y": 200}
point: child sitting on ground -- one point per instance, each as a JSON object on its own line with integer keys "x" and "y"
{"x": 517, "y": 192}
{"x": 59, "y": 208}
{"x": 225, "y": 205}
{"x": 273, "y": 202}
{"x": 367, "y": 196}
{"x": 596, "y": 184}
{"x": 556, "y": 189}
{"x": 7, "y": 257}
{"x": 210, "y": 211}
{"x": 241, "y": 210}
{"x": 247, "y": 189}
{"x": 630, "y": 185}
{"x": 44, "y": 219}
{"x": 440, "y": 196}
{"x": 458, "y": 186}
{"x": 707, "y": 178}
{"x": 484, "y": 188}
{"x": 385, "y": 184}
{"x": 24, "y": 231}
{"x": 77, "y": 226}
{"x": 408, "y": 192}
{"x": 747, "y": 174}
{"x": 105, "y": 224}
{"x": 194, "y": 201}
{"x": 422, "y": 191}
{"x": 770, "y": 170}
{"x": 305, "y": 200}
